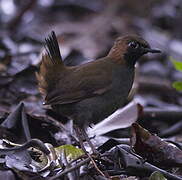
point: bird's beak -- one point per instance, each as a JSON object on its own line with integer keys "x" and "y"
{"x": 149, "y": 50}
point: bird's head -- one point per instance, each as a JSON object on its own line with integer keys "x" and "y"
{"x": 129, "y": 49}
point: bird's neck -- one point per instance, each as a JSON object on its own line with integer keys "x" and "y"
{"x": 116, "y": 56}
{"x": 119, "y": 56}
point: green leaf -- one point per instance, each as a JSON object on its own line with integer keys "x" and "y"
{"x": 177, "y": 64}
{"x": 177, "y": 85}
{"x": 157, "y": 176}
{"x": 70, "y": 151}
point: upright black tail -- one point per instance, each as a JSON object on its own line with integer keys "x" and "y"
{"x": 52, "y": 48}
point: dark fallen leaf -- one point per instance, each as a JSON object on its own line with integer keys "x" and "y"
{"x": 7, "y": 174}
{"x": 18, "y": 116}
{"x": 13, "y": 117}
{"x": 154, "y": 149}
{"x": 4, "y": 80}
{"x": 7, "y": 134}
{"x": 108, "y": 145}
{"x": 25, "y": 157}
{"x": 119, "y": 161}
{"x": 25, "y": 82}
{"x": 24, "y": 126}
{"x": 19, "y": 160}
{"x": 22, "y": 86}
{"x": 35, "y": 143}
{"x": 43, "y": 128}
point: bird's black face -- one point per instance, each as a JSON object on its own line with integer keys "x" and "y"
{"x": 135, "y": 49}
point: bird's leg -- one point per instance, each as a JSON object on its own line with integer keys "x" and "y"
{"x": 79, "y": 134}
{"x": 89, "y": 142}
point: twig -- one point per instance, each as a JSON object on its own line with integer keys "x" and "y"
{"x": 68, "y": 165}
{"x": 172, "y": 130}
{"x": 70, "y": 169}
{"x": 36, "y": 143}
{"x": 17, "y": 19}
{"x": 80, "y": 157}
{"x": 171, "y": 115}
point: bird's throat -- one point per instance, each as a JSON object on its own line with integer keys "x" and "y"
{"x": 131, "y": 59}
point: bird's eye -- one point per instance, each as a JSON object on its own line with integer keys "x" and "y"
{"x": 133, "y": 44}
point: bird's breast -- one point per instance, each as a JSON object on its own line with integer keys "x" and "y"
{"x": 122, "y": 82}
{"x": 100, "y": 107}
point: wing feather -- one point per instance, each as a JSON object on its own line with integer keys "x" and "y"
{"x": 80, "y": 83}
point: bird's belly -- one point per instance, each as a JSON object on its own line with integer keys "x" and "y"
{"x": 94, "y": 110}
{"x": 100, "y": 109}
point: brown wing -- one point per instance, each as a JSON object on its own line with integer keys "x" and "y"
{"x": 81, "y": 82}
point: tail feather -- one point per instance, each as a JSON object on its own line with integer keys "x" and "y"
{"x": 51, "y": 65}
{"x": 52, "y": 48}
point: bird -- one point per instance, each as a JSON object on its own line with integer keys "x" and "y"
{"x": 90, "y": 92}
